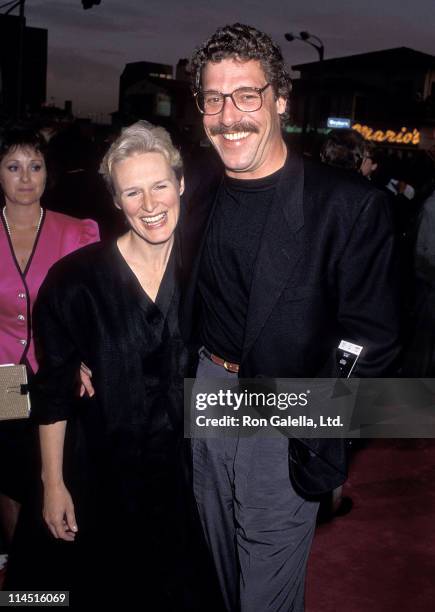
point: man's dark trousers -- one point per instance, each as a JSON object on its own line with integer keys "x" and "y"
{"x": 258, "y": 528}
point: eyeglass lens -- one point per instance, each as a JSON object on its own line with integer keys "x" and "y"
{"x": 245, "y": 99}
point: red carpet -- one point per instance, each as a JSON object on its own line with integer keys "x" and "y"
{"x": 381, "y": 556}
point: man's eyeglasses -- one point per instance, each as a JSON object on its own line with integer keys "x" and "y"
{"x": 246, "y": 99}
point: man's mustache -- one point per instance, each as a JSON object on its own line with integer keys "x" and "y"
{"x": 242, "y": 126}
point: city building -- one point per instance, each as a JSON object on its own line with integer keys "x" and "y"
{"x": 389, "y": 96}
{"x": 148, "y": 90}
{"x": 25, "y": 95}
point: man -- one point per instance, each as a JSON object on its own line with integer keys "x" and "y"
{"x": 370, "y": 160}
{"x": 347, "y": 149}
{"x": 419, "y": 357}
{"x": 282, "y": 259}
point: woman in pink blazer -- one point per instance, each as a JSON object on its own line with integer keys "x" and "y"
{"x": 32, "y": 239}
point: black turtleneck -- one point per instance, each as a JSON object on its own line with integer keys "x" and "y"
{"x": 228, "y": 261}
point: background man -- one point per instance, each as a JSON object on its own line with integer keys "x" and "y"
{"x": 283, "y": 258}
{"x": 347, "y": 149}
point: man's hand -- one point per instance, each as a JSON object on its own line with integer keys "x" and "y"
{"x": 58, "y": 512}
{"x": 85, "y": 380}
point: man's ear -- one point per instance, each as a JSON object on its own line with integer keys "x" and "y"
{"x": 281, "y": 105}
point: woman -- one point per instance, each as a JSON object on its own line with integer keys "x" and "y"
{"x": 32, "y": 239}
{"x": 114, "y": 307}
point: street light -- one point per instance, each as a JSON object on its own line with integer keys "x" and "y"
{"x": 308, "y": 38}
{"x": 87, "y": 4}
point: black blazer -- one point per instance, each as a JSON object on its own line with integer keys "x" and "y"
{"x": 325, "y": 271}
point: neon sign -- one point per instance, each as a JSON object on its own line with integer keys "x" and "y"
{"x": 404, "y": 136}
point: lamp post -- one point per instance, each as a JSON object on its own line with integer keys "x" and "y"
{"x": 308, "y": 38}
{"x": 317, "y": 44}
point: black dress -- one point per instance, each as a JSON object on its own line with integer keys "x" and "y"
{"x": 123, "y": 461}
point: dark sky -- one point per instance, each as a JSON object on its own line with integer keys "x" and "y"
{"x": 88, "y": 49}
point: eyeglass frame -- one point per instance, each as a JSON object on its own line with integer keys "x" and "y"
{"x": 258, "y": 90}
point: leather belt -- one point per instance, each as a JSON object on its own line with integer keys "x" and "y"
{"x": 230, "y": 367}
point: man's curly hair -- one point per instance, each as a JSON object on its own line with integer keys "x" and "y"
{"x": 245, "y": 43}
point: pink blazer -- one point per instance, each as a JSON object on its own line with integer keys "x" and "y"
{"x": 58, "y": 236}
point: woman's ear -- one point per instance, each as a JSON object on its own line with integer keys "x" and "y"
{"x": 182, "y": 185}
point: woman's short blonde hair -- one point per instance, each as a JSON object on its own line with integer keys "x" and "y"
{"x": 140, "y": 137}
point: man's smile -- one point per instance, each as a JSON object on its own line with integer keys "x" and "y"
{"x": 235, "y": 135}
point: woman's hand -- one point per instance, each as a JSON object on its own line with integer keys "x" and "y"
{"x": 85, "y": 380}
{"x": 58, "y": 512}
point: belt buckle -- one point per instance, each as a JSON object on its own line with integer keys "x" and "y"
{"x": 227, "y": 366}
